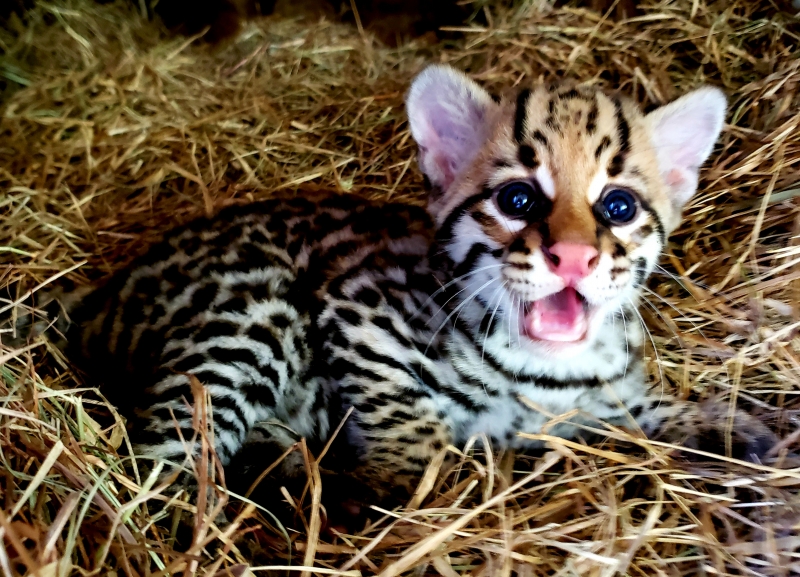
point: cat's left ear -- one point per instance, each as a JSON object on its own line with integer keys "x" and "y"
{"x": 683, "y": 134}
{"x": 447, "y": 112}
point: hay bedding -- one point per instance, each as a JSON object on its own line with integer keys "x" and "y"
{"x": 113, "y": 132}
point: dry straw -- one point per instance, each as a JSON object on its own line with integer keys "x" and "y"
{"x": 113, "y": 132}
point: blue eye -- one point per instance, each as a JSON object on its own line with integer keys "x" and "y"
{"x": 619, "y": 206}
{"x": 519, "y": 198}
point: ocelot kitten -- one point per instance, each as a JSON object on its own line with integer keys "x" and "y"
{"x": 549, "y": 207}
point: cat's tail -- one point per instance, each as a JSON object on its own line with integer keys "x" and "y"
{"x": 26, "y": 315}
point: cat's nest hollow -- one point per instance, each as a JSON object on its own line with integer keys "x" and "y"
{"x": 113, "y": 131}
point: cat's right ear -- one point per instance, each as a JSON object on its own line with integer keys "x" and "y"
{"x": 447, "y": 113}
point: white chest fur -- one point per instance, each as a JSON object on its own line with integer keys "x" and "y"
{"x": 530, "y": 392}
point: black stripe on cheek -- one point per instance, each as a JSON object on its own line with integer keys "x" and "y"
{"x": 659, "y": 226}
{"x": 520, "y": 114}
{"x": 468, "y": 264}
{"x": 445, "y": 233}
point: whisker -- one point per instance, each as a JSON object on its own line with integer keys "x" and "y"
{"x": 655, "y": 352}
{"x": 475, "y": 294}
{"x": 627, "y": 344}
{"x": 698, "y": 329}
{"x": 489, "y": 326}
{"x": 446, "y": 286}
{"x": 458, "y": 308}
{"x": 661, "y": 270}
{"x": 513, "y": 304}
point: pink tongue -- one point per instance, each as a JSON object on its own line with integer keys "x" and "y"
{"x": 559, "y": 317}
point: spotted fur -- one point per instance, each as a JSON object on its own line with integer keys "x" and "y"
{"x": 292, "y": 311}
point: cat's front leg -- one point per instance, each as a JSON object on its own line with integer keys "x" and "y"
{"x": 711, "y": 426}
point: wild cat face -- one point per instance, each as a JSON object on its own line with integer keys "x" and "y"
{"x": 554, "y": 203}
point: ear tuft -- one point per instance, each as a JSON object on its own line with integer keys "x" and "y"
{"x": 683, "y": 134}
{"x": 447, "y": 114}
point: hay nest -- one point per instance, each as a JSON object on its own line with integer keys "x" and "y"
{"x": 112, "y": 132}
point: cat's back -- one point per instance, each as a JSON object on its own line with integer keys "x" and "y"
{"x": 213, "y": 275}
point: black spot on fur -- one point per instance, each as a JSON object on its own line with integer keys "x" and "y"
{"x": 518, "y": 245}
{"x": 616, "y": 165}
{"x": 527, "y": 156}
{"x": 604, "y": 143}
{"x": 368, "y": 296}
{"x": 228, "y": 356}
{"x": 147, "y": 285}
{"x": 216, "y": 329}
{"x": 520, "y": 265}
{"x": 387, "y": 325}
{"x": 259, "y": 394}
{"x": 539, "y": 137}
{"x": 591, "y": 119}
{"x": 341, "y": 368}
{"x": 265, "y": 336}
{"x": 349, "y": 316}
{"x": 279, "y": 320}
{"x": 232, "y": 305}
{"x": 189, "y": 363}
{"x": 646, "y": 230}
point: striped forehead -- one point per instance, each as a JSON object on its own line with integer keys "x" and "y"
{"x": 578, "y": 135}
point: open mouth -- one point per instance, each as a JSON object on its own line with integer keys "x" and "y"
{"x": 561, "y": 317}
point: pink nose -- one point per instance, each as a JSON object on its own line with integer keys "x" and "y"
{"x": 571, "y": 261}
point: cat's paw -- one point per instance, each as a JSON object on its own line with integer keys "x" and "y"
{"x": 712, "y": 427}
